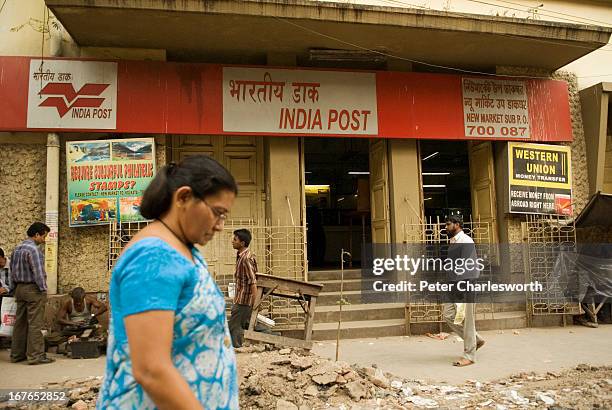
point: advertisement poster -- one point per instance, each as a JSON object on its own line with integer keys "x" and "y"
{"x": 106, "y": 179}
{"x": 540, "y": 179}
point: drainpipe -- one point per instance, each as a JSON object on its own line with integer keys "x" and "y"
{"x": 52, "y": 210}
{"x": 52, "y": 189}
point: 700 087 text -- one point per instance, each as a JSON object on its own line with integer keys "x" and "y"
{"x": 482, "y": 131}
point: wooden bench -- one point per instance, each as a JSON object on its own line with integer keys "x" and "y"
{"x": 304, "y": 292}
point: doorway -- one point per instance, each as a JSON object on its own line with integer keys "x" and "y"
{"x": 337, "y": 190}
{"x": 445, "y": 170}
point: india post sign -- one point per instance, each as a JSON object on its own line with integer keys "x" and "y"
{"x": 106, "y": 179}
{"x": 540, "y": 179}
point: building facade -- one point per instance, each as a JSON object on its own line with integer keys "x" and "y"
{"x": 350, "y": 119}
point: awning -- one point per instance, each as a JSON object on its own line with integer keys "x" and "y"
{"x": 596, "y": 212}
{"x": 245, "y": 32}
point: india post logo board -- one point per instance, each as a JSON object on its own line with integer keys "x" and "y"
{"x": 67, "y": 94}
{"x": 540, "y": 179}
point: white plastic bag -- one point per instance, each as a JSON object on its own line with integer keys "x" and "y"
{"x": 231, "y": 290}
{"x": 460, "y": 315}
{"x": 8, "y": 314}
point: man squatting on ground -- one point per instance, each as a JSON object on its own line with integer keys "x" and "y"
{"x": 246, "y": 286}
{"x": 462, "y": 246}
{"x": 75, "y": 316}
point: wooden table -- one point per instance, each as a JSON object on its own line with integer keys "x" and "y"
{"x": 304, "y": 292}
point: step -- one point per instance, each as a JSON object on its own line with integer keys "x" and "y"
{"x": 354, "y": 297}
{"x": 373, "y": 311}
{"x": 354, "y": 329}
{"x": 349, "y": 284}
{"x": 501, "y": 320}
{"x": 323, "y": 275}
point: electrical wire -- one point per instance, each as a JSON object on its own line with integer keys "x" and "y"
{"x": 439, "y": 66}
{"x": 607, "y": 24}
{"x": 538, "y": 32}
{"x": 529, "y": 29}
{"x": 526, "y": 11}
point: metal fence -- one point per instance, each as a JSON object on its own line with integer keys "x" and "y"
{"x": 546, "y": 235}
{"x": 421, "y": 309}
{"x": 279, "y": 250}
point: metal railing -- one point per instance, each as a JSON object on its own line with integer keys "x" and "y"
{"x": 279, "y": 251}
{"x": 420, "y": 309}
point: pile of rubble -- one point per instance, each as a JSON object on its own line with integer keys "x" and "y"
{"x": 81, "y": 394}
{"x": 293, "y": 379}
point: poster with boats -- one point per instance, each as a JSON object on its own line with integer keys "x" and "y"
{"x": 107, "y": 178}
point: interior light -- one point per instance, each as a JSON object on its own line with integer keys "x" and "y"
{"x": 431, "y": 156}
{"x": 434, "y": 186}
{"x": 427, "y": 199}
{"x": 316, "y": 189}
{"x": 308, "y": 172}
{"x": 340, "y": 199}
{"x": 435, "y": 173}
{"x": 359, "y": 173}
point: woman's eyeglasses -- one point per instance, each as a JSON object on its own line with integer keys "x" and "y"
{"x": 219, "y": 214}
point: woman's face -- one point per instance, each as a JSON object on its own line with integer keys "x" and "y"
{"x": 201, "y": 219}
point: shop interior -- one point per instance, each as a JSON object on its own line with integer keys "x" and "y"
{"x": 337, "y": 199}
{"x": 446, "y": 179}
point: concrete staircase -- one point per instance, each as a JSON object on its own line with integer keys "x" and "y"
{"x": 362, "y": 320}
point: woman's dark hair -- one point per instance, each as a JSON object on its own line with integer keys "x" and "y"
{"x": 38, "y": 228}
{"x": 201, "y": 173}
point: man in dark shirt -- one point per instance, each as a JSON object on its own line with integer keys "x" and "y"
{"x": 29, "y": 281}
{"x": 246, "y": 286}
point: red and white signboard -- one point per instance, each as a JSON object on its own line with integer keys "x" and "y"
{"x": 495, "y": 108}
{"x": 72, "y": 94}
{"x": 299, "y": 101}
{"x": 156, "y": 97}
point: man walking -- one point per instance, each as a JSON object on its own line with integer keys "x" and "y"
{"x": 30, "y": 289}
{"x": 462, "y": 248}
{"x": 246, "y": 286}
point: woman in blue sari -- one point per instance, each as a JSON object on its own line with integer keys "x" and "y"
{"x": 169, "y": 345}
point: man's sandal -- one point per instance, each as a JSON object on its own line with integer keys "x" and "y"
{"x": 462, "y": 363}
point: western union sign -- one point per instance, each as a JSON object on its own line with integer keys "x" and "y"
{"x": 540, "y": 178}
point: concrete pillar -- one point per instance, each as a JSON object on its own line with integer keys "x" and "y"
{"x": 283, "y": 207}
{"x": 283, "y": 182}
{"x": 52, "y": 210}
{"x": 405, "y": 192}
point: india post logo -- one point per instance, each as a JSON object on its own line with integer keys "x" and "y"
{"x": 66, "y": 98}
{"x": 69, "y": 94}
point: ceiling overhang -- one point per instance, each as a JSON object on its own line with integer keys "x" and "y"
{"x": 245, "y": 32}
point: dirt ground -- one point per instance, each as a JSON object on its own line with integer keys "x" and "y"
{"x": 290, "y": 379}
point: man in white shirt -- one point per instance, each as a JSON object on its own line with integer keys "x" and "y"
{"x": 462, "y": 246}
